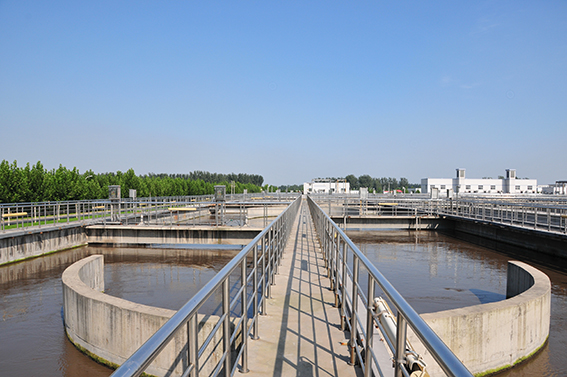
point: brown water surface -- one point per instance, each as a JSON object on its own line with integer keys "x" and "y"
{"x": 32, "y": 339}
{"x": 436, "y": 272}
{"x": 433, "y": 271}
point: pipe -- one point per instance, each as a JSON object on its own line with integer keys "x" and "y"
{"x": 414, "y": 362}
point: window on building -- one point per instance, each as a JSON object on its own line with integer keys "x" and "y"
{"x": 530, "y": 187}
{"x": 467, "y": 187}
{"x": 480, "y": 187}
{"x": 442, "y": 187}
{"x": 432, "y": 186}
{"x": 517, "y": 187}
{"x": 493, "y": 187}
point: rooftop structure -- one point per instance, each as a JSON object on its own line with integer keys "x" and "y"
{"x": 326, "y": 186}
{"x": 509, "y": 184}
{"x": 557, "y": 188}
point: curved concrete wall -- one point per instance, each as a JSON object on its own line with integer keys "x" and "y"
{"x": 497, "y": 335}
{"x": 112, "y": 328}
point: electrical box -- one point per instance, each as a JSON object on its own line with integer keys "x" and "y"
{"x": 114, "y": 193}
{"x": 220, "y": 193}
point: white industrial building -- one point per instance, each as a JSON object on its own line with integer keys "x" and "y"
{"x": 326, "y": 186}
{"x": 507, "y": 185}
{"x": 558, "y": 188}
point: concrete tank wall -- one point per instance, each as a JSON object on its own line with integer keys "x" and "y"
{"x": 497, "y": 335}
{"x": 147, "y": 235}
{"x": 19, "y": 245}
{"x": 111, "y": 328}
{"x": 25, "y": 244}
{"x": 506, "y": 238}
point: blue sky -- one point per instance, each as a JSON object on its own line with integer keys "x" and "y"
{"x": 291, "y": 90}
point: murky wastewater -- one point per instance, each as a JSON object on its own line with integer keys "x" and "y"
{"x": 32, "y": 339}
{"x": 434, "y": 272}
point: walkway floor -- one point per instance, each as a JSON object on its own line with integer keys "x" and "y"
{"x": 301, "y": 335}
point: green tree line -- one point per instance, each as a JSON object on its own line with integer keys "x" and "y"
{"x": 36, "y": 184}
{"x": 378, "y": 184}
{"x": 205, "y": 176}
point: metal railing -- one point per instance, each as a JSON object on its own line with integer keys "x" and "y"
{"x": 538, "y": 215}
{"x": 22, "y": 215}
{"x": 149, "y": 211}
{"x": 543, "y": 213}
{"x": 347, "y": 267}
{"x": 257, "y": 263}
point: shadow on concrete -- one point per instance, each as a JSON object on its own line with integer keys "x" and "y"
{"x": 306, "y": 318}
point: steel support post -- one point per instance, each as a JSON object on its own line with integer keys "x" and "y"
{"x": 270, "y": 274}
{"x": 353, "y": 314}
{"x": 329, "y": 243}
{"x": 278, "y": 244}
{"x": 226, "y": 327}
{"x": 401, "y": 331}
{"x": 264, "y": 275}
{"x": 276, "y": 249}
{"x": 256, "y": 292}
{"x": 369, "y": 328}
{"x": 322, "y": 233}
{"x": 336, "y": 245}
{"x": 343, "y": 286}
{"x": 244, "y": 311}
{"x": 193, "y": 345}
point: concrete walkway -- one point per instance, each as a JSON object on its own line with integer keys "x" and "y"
{"x": 300, "y": 335}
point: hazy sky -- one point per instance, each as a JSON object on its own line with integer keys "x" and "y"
{"x": 291, "y": 90}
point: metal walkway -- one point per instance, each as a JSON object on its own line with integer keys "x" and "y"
{"x": 300, "y": 334}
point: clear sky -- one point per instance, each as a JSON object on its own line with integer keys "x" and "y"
{"x": 291, "y": 90}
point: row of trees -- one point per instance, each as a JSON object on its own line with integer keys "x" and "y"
{"x": 36, "y": 184}
{"x": 205, "y": 176}
{"x": 378, "y": 184}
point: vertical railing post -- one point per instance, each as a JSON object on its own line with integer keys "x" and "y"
{"x": 193, "y": 345}
{"x": 226, "y": 326}
{"x": 330, "y": 244}
{"x": 265, "y": 292}
{"x": 277, "y": 237}
{"x": 401, "y": 330}
{"x": 354, "y": 309}
{"x": 336, "y": 245}
{"x": 344, "y": 286}
{"x": 269, "y": 261}
{"x": 369, "y": 328}
{"x": 244, "y": 311}
{"x": 256, "y": 293}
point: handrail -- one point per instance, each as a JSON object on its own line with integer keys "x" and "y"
{"x": 270, "y": 243}
{"x": 86, "y": 212}
{"x": 331, "y": 237}
{"x": 541, "y": 213}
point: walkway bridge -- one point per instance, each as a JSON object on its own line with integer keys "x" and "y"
{"x": 301, "y": 291}
{"x": 306, "y": 299}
